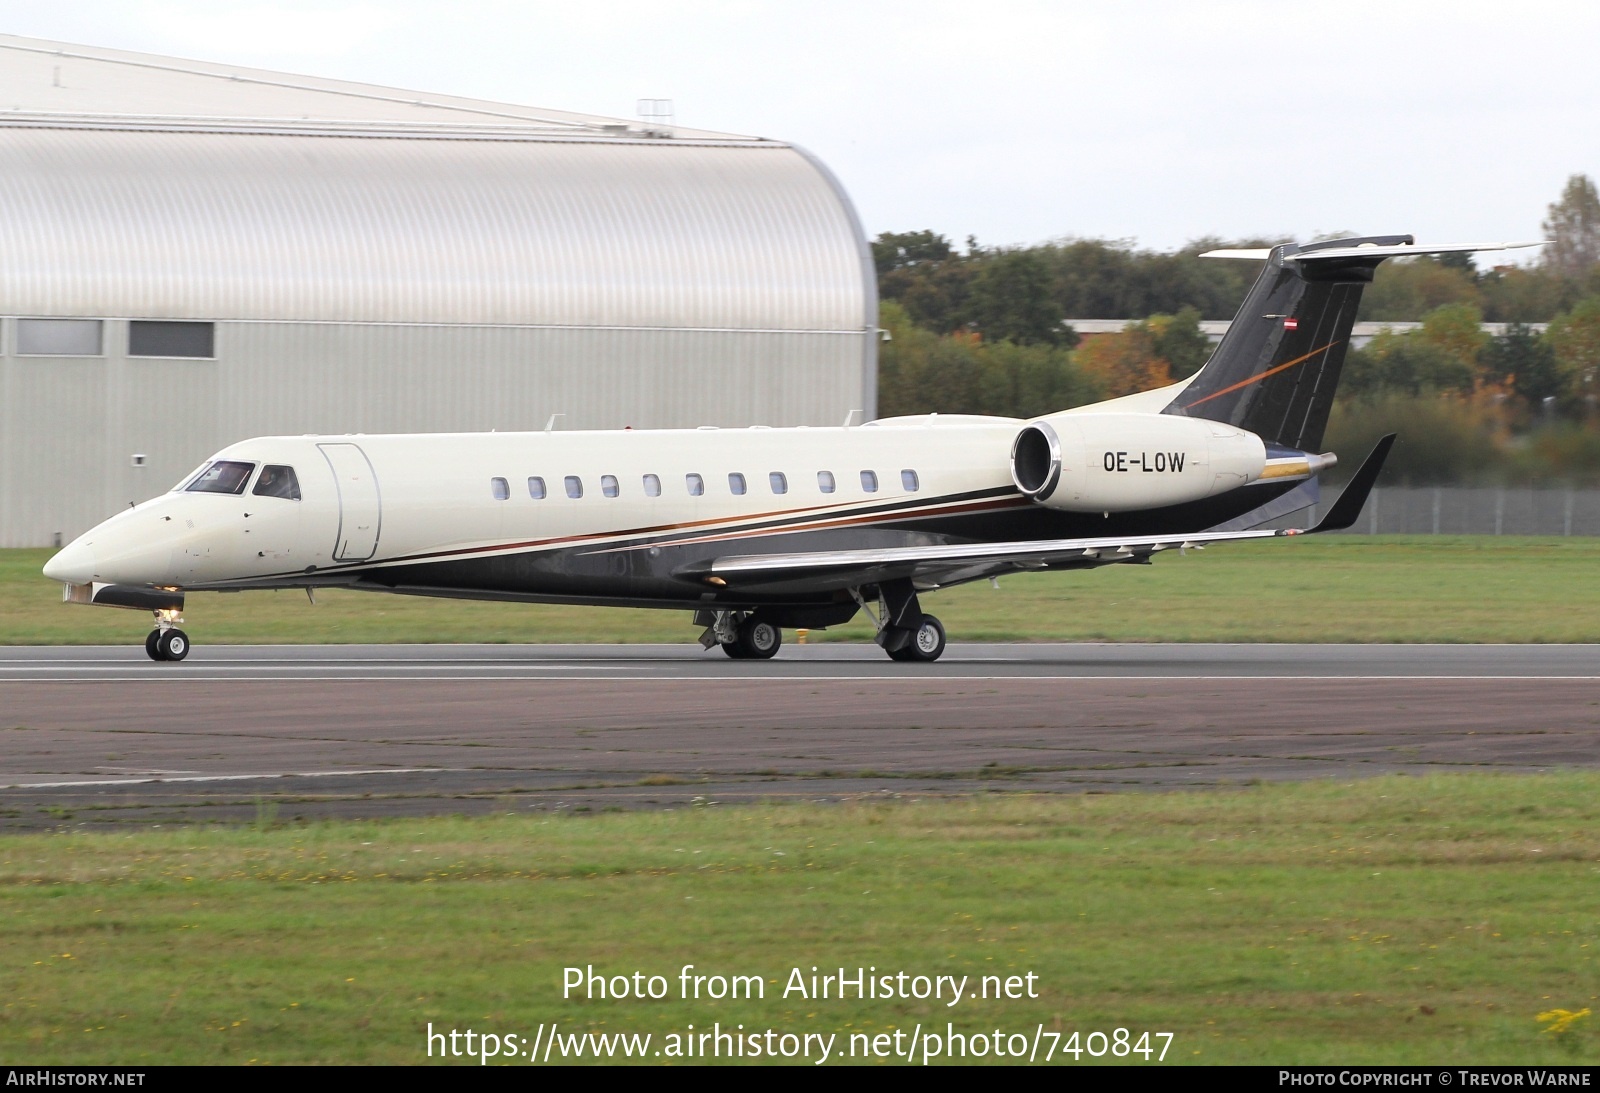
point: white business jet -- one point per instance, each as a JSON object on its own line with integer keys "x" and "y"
{"x": 754, "y": 530}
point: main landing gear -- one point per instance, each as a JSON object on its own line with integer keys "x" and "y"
{"x": 743, "y": 636}
{"x": 926, "y": 644}
{"x": 905, "y": 633}
{"x": 166, "y": 641}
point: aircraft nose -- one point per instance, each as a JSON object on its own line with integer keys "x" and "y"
{"x": 74, "y": 565}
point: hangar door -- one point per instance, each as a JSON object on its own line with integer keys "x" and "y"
{"x": 360, "y": 511}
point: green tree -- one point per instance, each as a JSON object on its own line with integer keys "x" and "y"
{"x": 1523, "y": 362}
{"x": 1013, "y": 299}
{"x": 1179, "y": 340}
{"x": 1513, "y": 294}
{"x": 1573, "y": 228}
{"x": 1405, "y": 364}
{"x": 1405, "y": 291}
{"x": 923, "y": 273}
{"x": 1031, "y": 380}
{"x": 1574, "y": 339}
{"x": 920, "y": 372}
{"x": 1439, "y": 440}
{"x": 891, "y": 251}
{"x": 1458, "y": 330}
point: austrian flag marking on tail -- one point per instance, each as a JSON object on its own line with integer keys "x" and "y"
{"x": 1291, "y": 324}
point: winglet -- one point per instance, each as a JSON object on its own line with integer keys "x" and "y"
{"x": 1348, "y": 508}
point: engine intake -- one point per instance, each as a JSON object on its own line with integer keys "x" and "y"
{"x": 1120, "y": 462}
{"x": 1036, "y": 460}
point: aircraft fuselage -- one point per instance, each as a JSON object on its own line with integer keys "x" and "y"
{"x": 601, "y": 517}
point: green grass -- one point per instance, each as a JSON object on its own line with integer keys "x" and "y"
{"x": 1397, "y": 920}
{"x": 1328, "y": 588}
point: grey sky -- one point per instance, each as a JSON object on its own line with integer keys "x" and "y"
{"x": 1014, "y": 121}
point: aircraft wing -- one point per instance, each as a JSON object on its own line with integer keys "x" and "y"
{"x": 945, "y": 564}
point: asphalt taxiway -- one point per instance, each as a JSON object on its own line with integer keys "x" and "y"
{"x": 102, "y": 735}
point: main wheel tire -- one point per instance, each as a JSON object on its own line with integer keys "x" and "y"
{"x": 734, "y": 650}
{"x": 927, "y": 644}
{"x": 759, "y": 639}
{"x": 173, "y": 645}
{"x": 150, "y": 642}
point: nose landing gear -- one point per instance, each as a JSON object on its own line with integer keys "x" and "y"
{"x": 166, "y": 641}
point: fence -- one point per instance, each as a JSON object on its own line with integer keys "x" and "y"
{"x": 1459, "y": 510}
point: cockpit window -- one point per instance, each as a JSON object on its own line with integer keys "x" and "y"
{"x": 223, "y": 476}
{"x": 277, "y": 481}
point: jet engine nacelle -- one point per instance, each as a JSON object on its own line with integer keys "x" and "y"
{"x": 1119, "y": 462}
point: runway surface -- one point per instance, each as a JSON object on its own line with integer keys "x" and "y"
{"x": 102, "y": 735}
{"x": 826, "y": 661}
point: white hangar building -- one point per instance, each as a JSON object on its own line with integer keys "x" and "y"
{"x": 192, "y": 254}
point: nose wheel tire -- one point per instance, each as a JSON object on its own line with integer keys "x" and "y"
{"x": 757, "y": 640}
{"x": 167, "y": 644}
{"x": 925, "y": 646}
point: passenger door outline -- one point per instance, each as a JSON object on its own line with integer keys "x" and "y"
{"x": 360, "y": 503}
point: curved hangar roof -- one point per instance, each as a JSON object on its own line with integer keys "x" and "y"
{"x": 463, "y": 215}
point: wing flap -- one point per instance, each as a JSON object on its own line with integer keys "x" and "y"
{"x": 945, "y": 564}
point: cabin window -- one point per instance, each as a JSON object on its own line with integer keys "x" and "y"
{"x": 608, "y": 485}
{"x": 277, "y": 481}
{"x": 652, "y": 485}
{"x": 696, "y": 484}
{"x": 825, "y": 481}
{"x": 500, "y": 488}
{"x": 736, "y": 484}
{"x": 536, "y": 488}
{"x": 779, "y": 482}
{"x": 908, "y": 479}
{"x": 58, "y": 337}
{"x": 869, "y": 481}
{"x": 223, "y": 476}
{"x": 574, "y": 486}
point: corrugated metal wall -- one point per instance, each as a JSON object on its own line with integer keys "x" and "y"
{"x": 385, "y": 283}
{"x": 567, "y": 232}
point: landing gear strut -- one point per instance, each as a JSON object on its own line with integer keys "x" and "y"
{"x": 757, "y": 640}
{"x": 905, "y": 633}
{"x": 926, "y": 645}
{"x": 743, "y": 636}
{"x": 166, "y": 641}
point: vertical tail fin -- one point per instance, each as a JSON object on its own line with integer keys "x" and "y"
{"x": 1277, "y": 367}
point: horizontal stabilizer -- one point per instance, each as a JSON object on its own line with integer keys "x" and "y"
{"x": 1404, "y": 250}
{"x": 1313, "y": 253}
